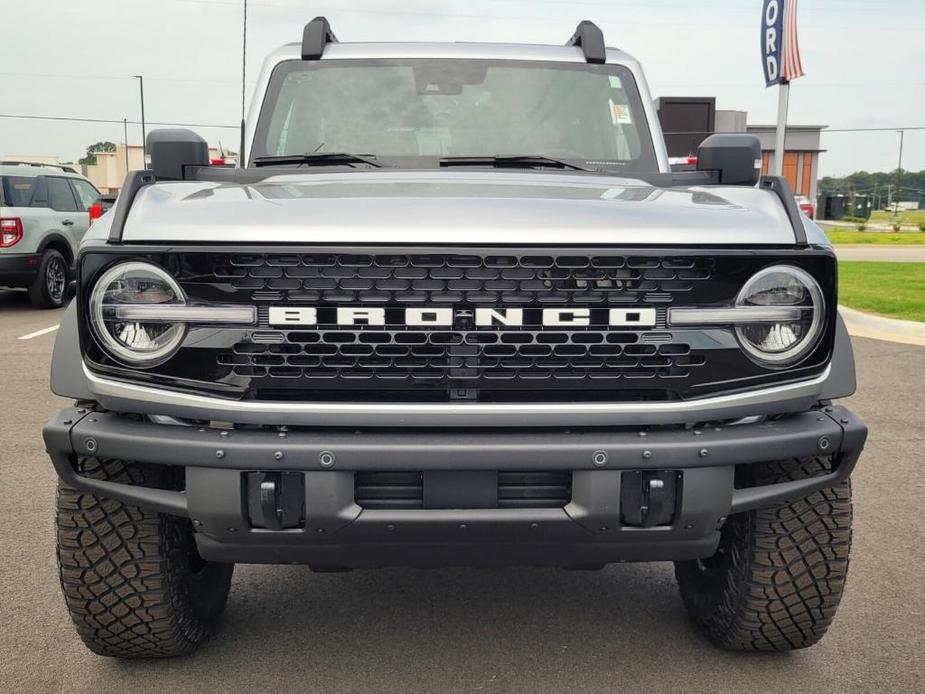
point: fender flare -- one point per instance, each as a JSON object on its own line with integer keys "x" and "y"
{"x": 842, "y": 380}
{"x": 67, "y": 368}
{"x": 58, "y": 237}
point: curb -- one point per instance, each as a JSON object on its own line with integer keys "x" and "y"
{"x": 861, "y": 324}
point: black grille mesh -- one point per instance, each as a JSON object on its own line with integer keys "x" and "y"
{"x": 467, "y": 279}
{"x": 428, "y": 356}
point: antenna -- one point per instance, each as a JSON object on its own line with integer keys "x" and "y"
{"x": 241, "y": 158}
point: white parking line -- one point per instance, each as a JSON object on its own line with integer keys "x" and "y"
{"x": 38, "y": 333}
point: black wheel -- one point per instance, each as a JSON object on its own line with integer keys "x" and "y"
{"x": 49, "y": 290}
{"x": 779, "y": 572}
{"x": 134, "y": 584}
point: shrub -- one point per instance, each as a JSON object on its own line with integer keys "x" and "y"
{"x": 862, "y": 226}
{"x": 921, "y": 226}
{"x": 897, "y": 226}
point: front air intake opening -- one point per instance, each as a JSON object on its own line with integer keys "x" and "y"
{"x": 470, "y": 489}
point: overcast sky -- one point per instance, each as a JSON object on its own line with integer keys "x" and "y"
{"x": 864, "y": 60}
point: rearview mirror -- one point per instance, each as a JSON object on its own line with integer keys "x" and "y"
{"x": 735, "y": 158}
{"x": 172, "y": 150}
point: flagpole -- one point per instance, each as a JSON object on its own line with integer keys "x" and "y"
{"x": 783, "y": 104}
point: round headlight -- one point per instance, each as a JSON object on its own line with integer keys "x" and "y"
{"x": 784, "y": 342}
{"x": 131, "y": 340}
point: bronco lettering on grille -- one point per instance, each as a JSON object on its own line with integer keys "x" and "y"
{"x": 423, "y": 316}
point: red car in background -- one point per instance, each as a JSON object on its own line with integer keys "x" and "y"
{"x": 806, "y": 205}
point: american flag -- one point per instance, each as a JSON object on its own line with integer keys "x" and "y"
{"x": 792, "y": 64}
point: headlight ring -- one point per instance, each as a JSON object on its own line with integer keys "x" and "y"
{"x": 132, "y": 342}
{"x": 785, "y": 343}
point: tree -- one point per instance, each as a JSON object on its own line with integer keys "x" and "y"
{"x": 92, "y": 150}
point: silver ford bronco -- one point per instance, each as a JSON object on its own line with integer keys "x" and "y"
{"x": 452, "y": 308}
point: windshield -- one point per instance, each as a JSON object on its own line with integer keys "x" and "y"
{"x": 413, "y": 112}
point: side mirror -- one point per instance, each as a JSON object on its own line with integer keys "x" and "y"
{"x": 735, "y": 158}
{"x": 174, "y": 149}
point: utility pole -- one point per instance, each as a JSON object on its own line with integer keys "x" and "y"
{"x": 899, "y": 170}
{"x": 125, "y": 139}
{"x": 144, "y": 144}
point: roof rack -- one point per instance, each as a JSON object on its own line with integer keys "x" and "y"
{"x": 589, "y": 37}
{"x": 10, "y": 162}
{"x": 315, "y": 37}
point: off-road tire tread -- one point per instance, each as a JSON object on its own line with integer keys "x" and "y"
{"x": 125, "y": 571}
{"x": 786, "y": 570}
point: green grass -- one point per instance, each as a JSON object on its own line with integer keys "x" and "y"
{"x": 895, "y": 290}
{"x": 913, "y": 217}
{"x": 847, "y": 236}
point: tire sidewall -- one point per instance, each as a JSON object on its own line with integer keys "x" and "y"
{"x": 39, "y": 294}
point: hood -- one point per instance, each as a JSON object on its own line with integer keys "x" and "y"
{"x": 460, "y": 207}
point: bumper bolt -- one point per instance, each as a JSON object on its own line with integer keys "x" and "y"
{"x": 534, "y": 526}
{"x": 844, "y": 420}
{"x": 642, "y": 434}
{"x": 824, "y": 443}
{"x": 90, "y": 445}
{"x": 232, "y": 530}
{"x": 197, "y": 523}
{"x": 68, "y": 421}
{"x": 390, "y": 527}
{"x": 463, "y": 527}
{"x": 219, "y": 453}
{"x": 278, "y": 455}
{"x": 703, "y": 453}
{"x": 326, "y": 458}
{"x": 599, "y": 458}
{"x": 224, "y": 433}
{"x": 647, "y": 455}
{"x": 689, "y": 526}
{"x": 698, "y": 433}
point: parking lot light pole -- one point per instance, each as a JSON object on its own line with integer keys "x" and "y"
{"x": 144, "y": 146}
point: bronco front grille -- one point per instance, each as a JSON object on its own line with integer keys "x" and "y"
{"x": 399, "y": 361}
{"x": 459, "y": 357}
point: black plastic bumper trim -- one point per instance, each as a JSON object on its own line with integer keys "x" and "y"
{"x": 833, "y": 431}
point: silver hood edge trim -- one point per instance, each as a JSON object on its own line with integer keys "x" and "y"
{"x": 140, "y": 399}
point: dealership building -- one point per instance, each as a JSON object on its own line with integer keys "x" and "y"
{"x": 686, "y": 121}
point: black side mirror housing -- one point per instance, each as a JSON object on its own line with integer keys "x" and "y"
{"x": 735, "y": 158}
{"x": 172, "y": 150}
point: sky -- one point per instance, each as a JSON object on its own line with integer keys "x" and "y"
{"x": 864, "y": 61}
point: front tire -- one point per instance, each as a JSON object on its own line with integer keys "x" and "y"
{"x": 779, "y": 572}
{"x": 133, "y": 582}
{"x": 49, "y": 289}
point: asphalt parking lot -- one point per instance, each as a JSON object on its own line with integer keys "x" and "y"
{"x": 457, "y": 630}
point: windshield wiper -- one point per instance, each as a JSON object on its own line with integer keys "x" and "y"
{"x": 317, "y": 159}
{"x": 529, "y": 161}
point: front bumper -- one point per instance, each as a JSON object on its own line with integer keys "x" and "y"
{"x": 18, "y": 269}
{"x": 337, "y": 532}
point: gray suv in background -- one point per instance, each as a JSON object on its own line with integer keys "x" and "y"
{"x": 44, "y": 213}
